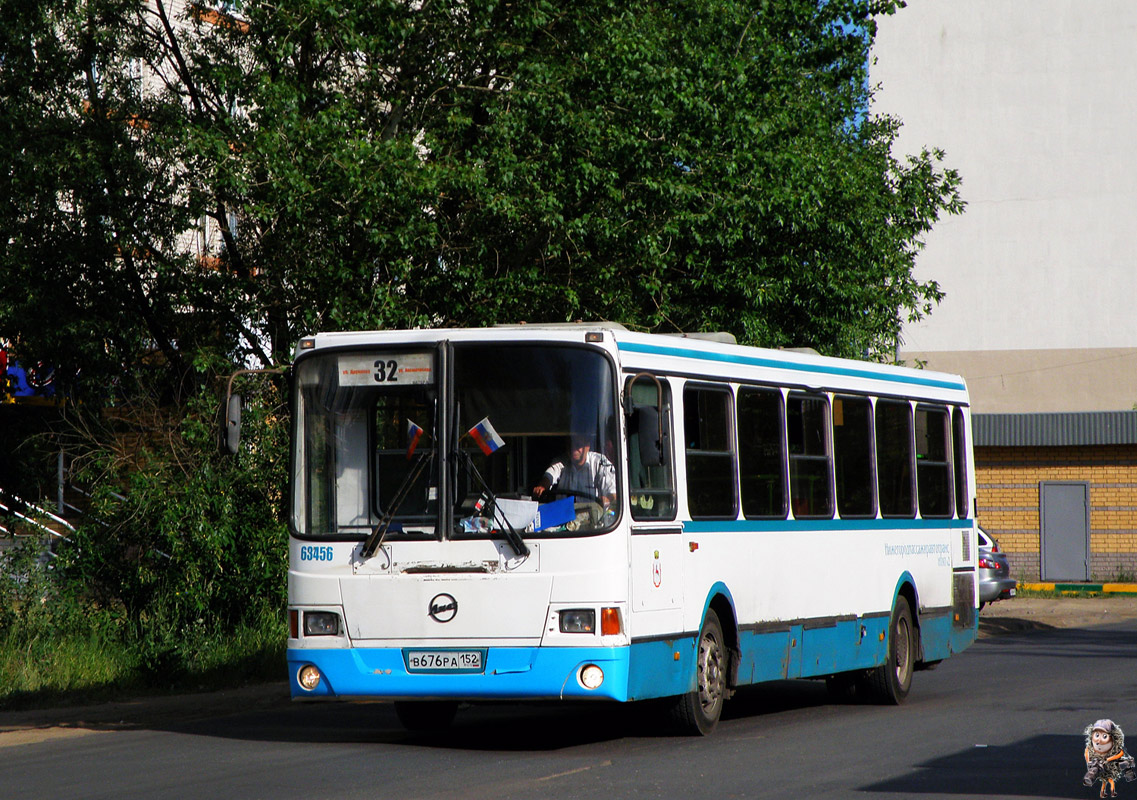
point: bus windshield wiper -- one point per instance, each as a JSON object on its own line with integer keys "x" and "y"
{"x": 372, "y": 543}
{"x": 511, "y": 534}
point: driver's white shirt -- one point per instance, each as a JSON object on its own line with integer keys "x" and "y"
{"x": 596, "y": 476}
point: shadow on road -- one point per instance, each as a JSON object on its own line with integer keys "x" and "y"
{"x": 1041, "y": 766}
{"x": 498, "y": 727}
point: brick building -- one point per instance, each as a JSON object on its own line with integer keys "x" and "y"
{"x": 1059, "y": 492}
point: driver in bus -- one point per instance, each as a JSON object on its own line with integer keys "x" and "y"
{"x": 582, "y": 472}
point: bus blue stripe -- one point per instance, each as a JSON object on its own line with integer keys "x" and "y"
{"x": 760, "y": 525}
{"x": 774, "y": 363}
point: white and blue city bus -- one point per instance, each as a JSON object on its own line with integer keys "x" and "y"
{"x": 770, "y": 514}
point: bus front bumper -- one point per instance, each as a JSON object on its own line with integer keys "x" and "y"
{"x": 506, "y": 673}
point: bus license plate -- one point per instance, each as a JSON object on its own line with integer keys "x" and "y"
{"x": 444, "y": 661}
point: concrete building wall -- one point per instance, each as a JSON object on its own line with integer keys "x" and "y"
{"x": 1033, "y": 104}
{"x": 1032, "y": 381}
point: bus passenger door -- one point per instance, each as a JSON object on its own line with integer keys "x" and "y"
{"x": 657, "y": 537}
{"x": 657, "y": 567}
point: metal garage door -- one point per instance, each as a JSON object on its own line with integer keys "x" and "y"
{"x": 1064, "y": 510}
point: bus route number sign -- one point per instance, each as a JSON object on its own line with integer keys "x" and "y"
{"x": 386, "y": 369}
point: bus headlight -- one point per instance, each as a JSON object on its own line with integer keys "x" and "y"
{"x": 578, "y": 620}
{"x": 591, "y": 676}
{"x": 321, "y": 623}
{"x": 308, "y": 677}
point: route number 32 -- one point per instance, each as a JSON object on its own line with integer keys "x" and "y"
{"x": 386, "y": 371}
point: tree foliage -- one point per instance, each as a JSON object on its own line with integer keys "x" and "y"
{"x": 181, "y": 543}
{"x": 681, "y": 166}
{"x": 705, "y": 164}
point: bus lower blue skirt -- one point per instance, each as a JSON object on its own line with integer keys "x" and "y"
{"x": 646, "y": 669}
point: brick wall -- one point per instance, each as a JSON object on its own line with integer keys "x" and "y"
{"x": 1007, "y": 481}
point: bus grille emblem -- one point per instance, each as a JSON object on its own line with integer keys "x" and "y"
{"x": 443, "y": 608}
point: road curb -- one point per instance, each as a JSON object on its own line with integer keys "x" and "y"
{"x": 1079, "y": 588}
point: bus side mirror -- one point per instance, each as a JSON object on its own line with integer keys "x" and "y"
{"x": 231, "y": 435}
{"x": 650, "y": 436}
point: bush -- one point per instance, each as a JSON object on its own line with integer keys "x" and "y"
{"x": 184, "y": 545}
{"x": 177, "y": 575}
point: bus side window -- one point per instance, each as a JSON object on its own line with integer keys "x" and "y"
{"x": 933, "y": 470}
{"x": 852, "y": 453}
{"x": 807, "y": 428}
{"x": 959, "y": 461}
{"x": 761, "y": 453}
{"x": 894, "y": 458}
{"x": 707, "y": 416}
{"x": 652, "y": 487}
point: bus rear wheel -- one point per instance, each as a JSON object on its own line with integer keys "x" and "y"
{"x": 889, "y": 683}
{"x": 423, "y": 716}
{"x": 698, "y": 711}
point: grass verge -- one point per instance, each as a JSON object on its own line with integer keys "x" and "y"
{"x": 62, "y": 670}
{"x": 1055, "y": 593}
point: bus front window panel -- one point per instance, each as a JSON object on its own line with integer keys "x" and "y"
{"x": 519, "y": 409}
{"x": 354, "y": 446}
{"x": 331, "y": 465}
{"x": 315, "y": 468}
{"x": 405, "y": 480}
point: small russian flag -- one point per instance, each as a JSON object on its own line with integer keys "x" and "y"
{"x": 486, "y": 437}
{"x": 414, "y": 433}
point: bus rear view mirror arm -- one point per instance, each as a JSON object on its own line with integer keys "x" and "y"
{"x": 231, "y": 424}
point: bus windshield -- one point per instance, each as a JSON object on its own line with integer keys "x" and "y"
{"x": 530, "y": 431}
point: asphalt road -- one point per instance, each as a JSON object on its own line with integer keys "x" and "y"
{"x": 1005, "y": 718}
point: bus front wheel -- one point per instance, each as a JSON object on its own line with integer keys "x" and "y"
{"x": 889, "y": 683}
{"x": 698, "y": 711}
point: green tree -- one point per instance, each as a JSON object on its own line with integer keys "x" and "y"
{"x": 690, "y": 165}
{"x": 698, "y": 165}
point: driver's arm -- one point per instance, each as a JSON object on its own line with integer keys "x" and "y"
{"x": 551, "y": 476}
{"x": 606, "y": 482}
